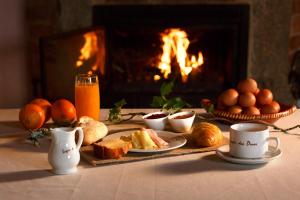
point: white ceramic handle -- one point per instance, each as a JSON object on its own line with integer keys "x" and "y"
{"x": 276, "y": 139}
{"x": 80, "y": 139}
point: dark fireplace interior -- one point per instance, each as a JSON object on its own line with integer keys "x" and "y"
{"x": 130, "y": 49}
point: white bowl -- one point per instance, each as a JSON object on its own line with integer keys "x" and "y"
{"x": 182, "y": 125}
{"x": 158, "y": 123}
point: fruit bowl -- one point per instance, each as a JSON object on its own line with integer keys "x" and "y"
{"x": 270, "y": 118}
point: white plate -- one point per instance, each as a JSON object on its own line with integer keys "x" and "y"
{"x": 223, "y": 153}
{"x": 175, "y": 141}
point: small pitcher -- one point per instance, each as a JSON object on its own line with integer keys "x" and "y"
{"x": 64, "y": 154}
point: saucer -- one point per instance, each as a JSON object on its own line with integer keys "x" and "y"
{"x": 223, "y": 153}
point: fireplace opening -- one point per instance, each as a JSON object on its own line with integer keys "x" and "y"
{"x": 135, "y": 48}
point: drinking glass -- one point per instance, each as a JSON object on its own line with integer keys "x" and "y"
{"x": 87, "y": 96}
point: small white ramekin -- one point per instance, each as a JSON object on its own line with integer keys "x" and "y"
{"x": 182, "y": 125}
{"x": 156, "y": 124}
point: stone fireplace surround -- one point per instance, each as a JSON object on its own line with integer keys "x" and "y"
{"x": 268, "y": 60}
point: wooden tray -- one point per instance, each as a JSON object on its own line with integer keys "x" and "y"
{"x": 88, "y": 154}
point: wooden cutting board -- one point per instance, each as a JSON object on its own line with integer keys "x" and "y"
{"x": 88, "y": 154}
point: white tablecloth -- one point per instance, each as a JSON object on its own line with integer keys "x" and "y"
{"x": 25, "y": 173}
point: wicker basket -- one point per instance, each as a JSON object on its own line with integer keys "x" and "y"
{"x": 271, "y": 118}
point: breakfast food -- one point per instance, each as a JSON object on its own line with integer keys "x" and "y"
{"x": 63, "y": 112}
{"x": 156, "y": 116}
{"x": 247, "y": 99}
{"x": 93, "y": 130}
{"x": 264, "y": 97}
{"x": 45, "y": 105}
{"x": 118, "y": 147}
{"x": 145, "y": 139}
{"x": 207, "y": 134}
{"x": 141, "y": 140}
{"x": 229, "y": 97}
{"x": 154, "y": 137}
{"x": 271, "y": 108}
{"x": 111, "y": 149}
{"x": 32, "y": 116}
{"x": 235, "y": 109}
{"x": 247, "y": 85}
{"x": 251, "y": 111}
{"x": 183, "y": 116}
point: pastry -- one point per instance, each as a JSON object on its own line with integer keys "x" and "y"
{"x": 207, "y": 134}
{"x": 111, "y": 148}
{"x": 93, "y": 130}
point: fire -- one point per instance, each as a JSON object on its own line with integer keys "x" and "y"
{"x": 175, "y": 44}
{"x": 156, "y": 77}
{"x": 88, "y": 50}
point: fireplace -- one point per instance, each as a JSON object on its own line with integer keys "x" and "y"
{"x": 203, "y": 48}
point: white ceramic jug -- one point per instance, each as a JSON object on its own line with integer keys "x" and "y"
{"x": 64, "y": 154}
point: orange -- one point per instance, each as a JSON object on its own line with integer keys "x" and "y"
{"x": 63, "y": 112}
{"x": 32, "y": 116}
{"x": 45, "y": 105}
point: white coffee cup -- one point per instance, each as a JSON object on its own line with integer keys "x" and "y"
{"x": 250, "y": 140}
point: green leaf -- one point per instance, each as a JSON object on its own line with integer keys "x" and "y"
{"x": 120, "y": 103}
{"x": 38, "y": 134}
{"x": 210, "y": 109}
{"x": 166, "y": 88}
{"x": 115, "y": 112}
{"x": 171, "y": 105}
{"x": 175, "y": 104}
{"x": 158, "y": 102}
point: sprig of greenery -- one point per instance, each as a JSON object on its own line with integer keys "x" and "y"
{"x": 172, "y": 105}
{"x": 115, "y": 112}
{"x": 38, "y": 134}
{"x": 116, "y": 116}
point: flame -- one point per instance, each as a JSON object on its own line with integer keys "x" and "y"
{"x": 156, "y": 77}
{"x": 175, "y": 44}
{"x": 89, "y": 49}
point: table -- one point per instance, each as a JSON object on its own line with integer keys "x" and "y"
{"x": 25, "y": 172}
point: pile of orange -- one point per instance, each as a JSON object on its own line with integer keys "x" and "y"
{"x": 248, "y": 99}
{"x": 35, "y": 114}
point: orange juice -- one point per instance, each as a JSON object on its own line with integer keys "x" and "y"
{"x": 87, "y": 100}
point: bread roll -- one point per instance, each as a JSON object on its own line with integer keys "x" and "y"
{"x": 207, "y": 134}
{"x": 93, "y": 130}
{"x": 111, "y": 148}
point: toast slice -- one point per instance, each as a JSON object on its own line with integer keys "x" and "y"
{"x": 111, "y": 148}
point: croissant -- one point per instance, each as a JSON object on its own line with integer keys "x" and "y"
{"x": 207, "y": 134}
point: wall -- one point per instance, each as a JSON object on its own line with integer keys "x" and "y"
{"x": 269, "y": 46}
{"x": 294, "y": 44}
{"x": 14, "y": 75}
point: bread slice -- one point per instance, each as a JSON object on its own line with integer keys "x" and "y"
{"x": 111, "y": 148}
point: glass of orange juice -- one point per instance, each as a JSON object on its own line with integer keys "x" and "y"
{"x": 87, "y": 96}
